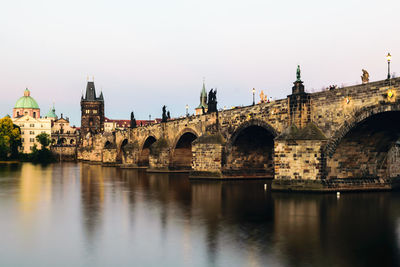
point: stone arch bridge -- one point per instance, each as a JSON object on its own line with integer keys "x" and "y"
{"x": 341, "y": 139}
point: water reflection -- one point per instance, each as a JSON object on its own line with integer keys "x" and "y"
{"x": 109, "y": 216}
{"x": 92, "y": 197}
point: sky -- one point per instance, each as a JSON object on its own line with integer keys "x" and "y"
{"x": 146, "y": 54}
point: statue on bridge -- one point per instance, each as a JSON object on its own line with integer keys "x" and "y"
{"x": 133, "y": 121}
{"x": 164, "y": 114}
{"x": 263, "y": 98}
{"x": 365, "y": 76}
{"x": 212, "y": 101}
{"x": 298, "y": 74}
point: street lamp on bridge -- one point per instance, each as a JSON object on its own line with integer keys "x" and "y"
{"x": 254, "y": 100}
{"x": 388, "y": 57}
{"x": 187, "y": 110}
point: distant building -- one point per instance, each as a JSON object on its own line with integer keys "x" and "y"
{"x": 30, "y": 128}
{"x": 26, "y": 115}
{"x": 26, "y": 105}
{"x": 92, "y": 111}
{"x": 52, "y": 114}
{"x": 202, "y": 108}
{"x": 62, "y": 134}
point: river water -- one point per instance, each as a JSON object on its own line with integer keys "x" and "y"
{"x": 87, "y": 215}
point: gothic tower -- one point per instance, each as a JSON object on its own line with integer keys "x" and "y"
{"x": 202, "y": 108}
{"x": 92, "y": 111}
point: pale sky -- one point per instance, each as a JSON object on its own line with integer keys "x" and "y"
{"x": 144, "y": 54}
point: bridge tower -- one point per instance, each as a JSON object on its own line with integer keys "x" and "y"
{"x": 92, "y": 111}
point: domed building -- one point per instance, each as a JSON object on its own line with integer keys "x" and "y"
{"x": 26, "y": 105}
{"x": 26, "y": 114}
{"x": 52, "y": 114}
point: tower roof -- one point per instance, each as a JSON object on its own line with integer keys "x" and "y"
{"x": 26, "y": 101}
{"x": 52, "y": 113}
{"x": 203, "y": 97}
{"x": 91, "y": 93}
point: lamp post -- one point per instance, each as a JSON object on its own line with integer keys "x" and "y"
{"x": 187, "y": 110}
{"x": 254, "y": 99}
{"x": 149, "y": 119}
{"x": 388, "y": 57}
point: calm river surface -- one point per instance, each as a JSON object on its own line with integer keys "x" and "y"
{"x": 88, "y": 215}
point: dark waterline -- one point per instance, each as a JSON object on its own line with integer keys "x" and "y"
{"x": 88, "y": 215}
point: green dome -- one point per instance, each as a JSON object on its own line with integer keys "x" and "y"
{"x": 26, "y": 101}
{"x": 51, "y": 113}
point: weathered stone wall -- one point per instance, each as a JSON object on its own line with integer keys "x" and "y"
{"x": 253, "y": 162}
{"x": 181, "y": 158}
{"x": 207, "y": 160}
{"x": 331, "y": 109}
{"x": 357, "y": 159}
{"x": 65, "y": 153}
{"x": 393, "y": 161}
{"x": 89, "y": 154}
{"x": 109, "y": 155}
{"x": 159, "y": 160}
{"x": 299, "y": 159}
{"x": 130, "y": 154}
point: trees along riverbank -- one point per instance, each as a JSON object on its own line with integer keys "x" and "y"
{"x": 10, "y": 139}
{"x": 10, "y": 142}
{"x": 42, "y": 155}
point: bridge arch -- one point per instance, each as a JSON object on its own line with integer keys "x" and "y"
{"x": 366, "y": 145}
{"x": 249, "y": 150}
{"x": 108, "y": 145}
{"x": 121, "y": 152}
{"x": 145, "y": 150}
{"x": 358, "y": 117}
{"x": 181, "y": 150}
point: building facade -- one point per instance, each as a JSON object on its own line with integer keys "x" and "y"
{"x": 30, "y": 128}
{"x": 92, "y": 111}
{"x": 26, "y": 115}
{"x": 62, "y": 133}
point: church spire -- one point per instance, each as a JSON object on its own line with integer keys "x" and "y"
{"x": 203, "y": 98}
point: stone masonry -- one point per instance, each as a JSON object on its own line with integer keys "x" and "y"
{"x": 307, "y": 141}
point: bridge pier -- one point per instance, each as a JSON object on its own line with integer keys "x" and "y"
{"x": 109, "y": 157}
{"x": 130, "y": 155}
{"x": 207, "y": 160}
{"x": 159, "y": 162}
{"x": 299, "y": 158}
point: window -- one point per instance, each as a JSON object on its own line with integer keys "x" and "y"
{"x": 31, "y": 139}
{"x": 31, "y": 147}
{"x": 17, "y": 113}
{"x": 31, "y": 132}
{"x": 94, "y": 111}
{"x": 22, "y": 132}
{"x": 22, "y": 140}
{"x": 87, "y": 111}
{"x": 41, "y": 125}
{"x": 22, "y": 125}
{"x": 32, "y": 125}
{"x": 34, "y": 114}
{"x": 43, "y": 132}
